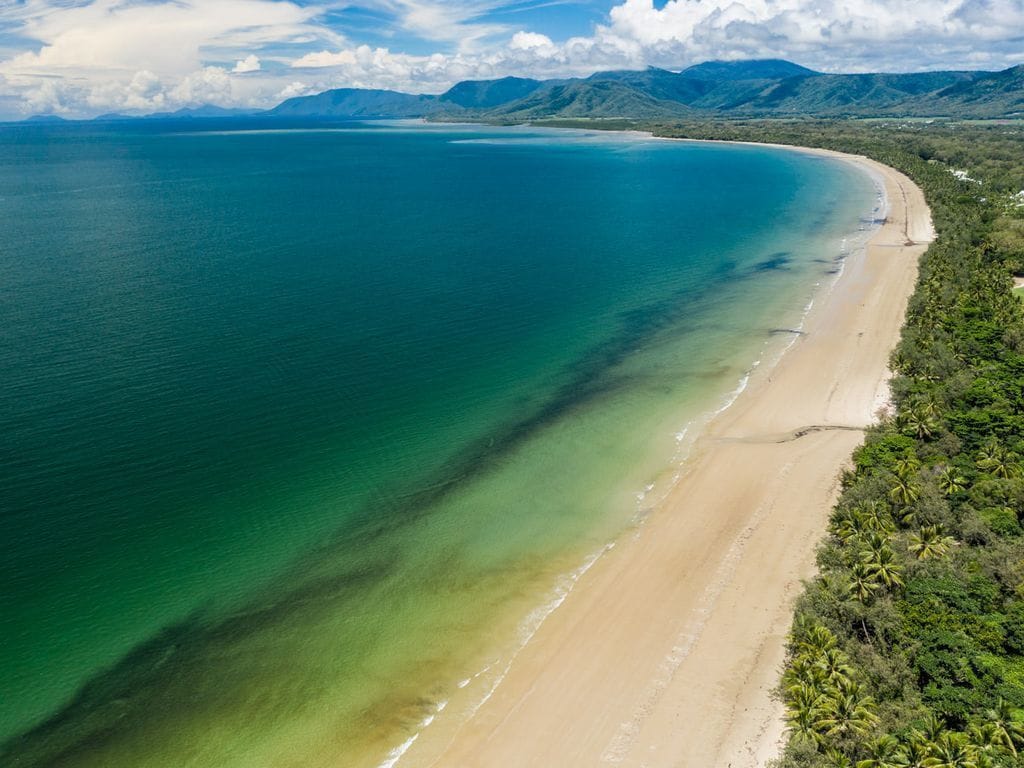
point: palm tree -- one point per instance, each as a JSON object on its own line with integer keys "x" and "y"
{"x": 929, "y": 543}
{"x": 847, "y": 714}
{"x": 951, "y": 481}
{"x": 899, "y": 364}
{"x": 816, "y": 640}
{"x": 862, "y": 582}
{"x": 1006, "y": 726}
{"x": 917, "y": 420}
{"x": 803, "y": 624}
{"x": 836, "y": 759}
{"x": 862, "y": 521}
{"x": 882, "y": 566}
{"x": 907, "y": 466}
{"x": 985, "y": 737}
{"x": 914, "y": 753}
{"x": 803, "y": 670}
{"x": 881, "y": 753}
{"x": 997, "y": 461}
{"x": 924, "y": 421}
{"x": 847, "y": 523}
{"x": 904, "y": 491}
{"x": 874, "y": 516}
{"x": 952, "y": 750}
{"x": 803, "y": 711}
{"x": 832, "y": 665}
{"x": 875, "y": 543}
{"x": 933, "y": 727}
{"x": 930, "y": 408}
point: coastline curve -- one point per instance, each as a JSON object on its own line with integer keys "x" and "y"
{"x": 667, "y": 648}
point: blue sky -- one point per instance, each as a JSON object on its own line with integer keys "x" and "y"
{"x": 85, "y": 57}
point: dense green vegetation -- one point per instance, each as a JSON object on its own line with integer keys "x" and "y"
{"x": 908, "y": 648}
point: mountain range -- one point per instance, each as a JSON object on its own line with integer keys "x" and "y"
{"x": 759, "y": 88}
{"x": 763, "y": 88}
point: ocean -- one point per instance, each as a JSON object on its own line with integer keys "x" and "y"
{"x": 305, "y": 430}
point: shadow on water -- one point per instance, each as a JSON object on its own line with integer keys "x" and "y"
{"x": 186, "y": 667}
{"x": 776, "y": 261}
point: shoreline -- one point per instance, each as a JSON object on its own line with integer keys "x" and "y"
{"x": 667, "y": 648}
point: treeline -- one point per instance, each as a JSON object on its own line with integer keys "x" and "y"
{"x": 908, "y": 648}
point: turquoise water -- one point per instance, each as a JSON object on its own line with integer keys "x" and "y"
{"x": 300, "y": 425}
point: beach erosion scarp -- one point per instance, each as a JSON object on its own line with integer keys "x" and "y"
{"x": 668, "y": 648}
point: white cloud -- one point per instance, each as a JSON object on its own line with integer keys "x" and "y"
{"x": 293, "y": 89}
{"x": 859, "y": 34}
{"x": 143, "y": 93}
{"x": 321, "y": 59}
{"x": 96, "y": 49}
{"x": 366, "y": 67}
{"x": 210, "y": 85}
{"x": 142, "y": 55}
{"x": 166, "y": 37}
{"x": 49, "y": 98}
{"x": 530, "y": 41}
{"x": 448, "y": 22}
{"x": 250, "y": 63}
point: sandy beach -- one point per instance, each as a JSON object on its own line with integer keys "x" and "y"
{"x": 666, "y": 651}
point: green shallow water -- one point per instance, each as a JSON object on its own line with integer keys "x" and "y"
{"x": 303, "y": 427}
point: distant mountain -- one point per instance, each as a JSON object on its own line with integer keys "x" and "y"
{"x": 204, "y": 110}
{"x": 1000, "y": 93}
{"x": 486, "y": 94}
{"x": 185, "y": 113}
{"x": 657, "y": 93}
{"x": 357, "y": 102}
{"x": 589, "y": 98}
{"x": 45, "y": 119}
{"x": 760, "y": 88}
{"x": 838, "y": 95}
{"x": 758, "y": 69}
{"x": 658, "y": 84}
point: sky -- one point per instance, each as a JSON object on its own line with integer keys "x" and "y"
{"x": 79, "y": 58}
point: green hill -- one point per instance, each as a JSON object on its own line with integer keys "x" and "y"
{"x": 1000, "y": 93}
{"x": 658, "y": 84}
{"x": 757, "y": 69}
{"x": 835, "y": 95}
{"x": 589, "y": 98}
{"x": 485, "y": 94}
{"x": 357, "y": 102}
